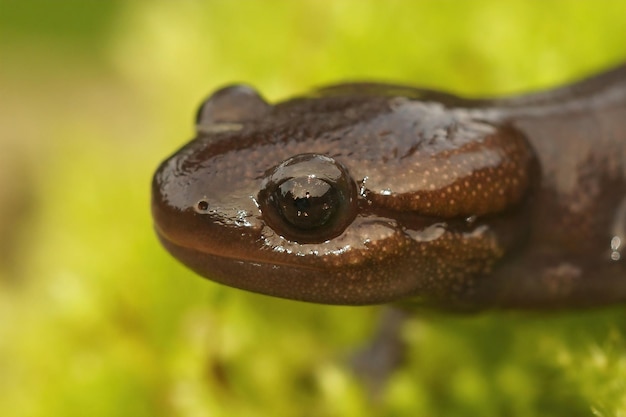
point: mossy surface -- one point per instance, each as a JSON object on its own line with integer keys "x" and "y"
{"x": 96, "y": 319}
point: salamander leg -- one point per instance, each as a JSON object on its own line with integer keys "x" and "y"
{"x": 376, "y": 362}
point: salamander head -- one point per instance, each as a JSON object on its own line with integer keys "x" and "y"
{"x": 344, "y": 197}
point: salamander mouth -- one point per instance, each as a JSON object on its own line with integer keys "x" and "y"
{"x": 294, "y": 282}
{"x": 176, "y": 248}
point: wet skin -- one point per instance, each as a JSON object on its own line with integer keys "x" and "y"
{"x": 375, "y": 193}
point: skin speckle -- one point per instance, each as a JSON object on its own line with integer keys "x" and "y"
{"x": 560, "y": 279}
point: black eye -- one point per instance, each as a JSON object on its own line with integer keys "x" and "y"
{"x": 309, "y": 198}
{"x": 306, "y": 202}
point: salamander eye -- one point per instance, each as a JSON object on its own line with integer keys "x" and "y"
{"x": 308, "y": 198}
{"x": 232, "y": 104}
{"x": 307, "y": 202}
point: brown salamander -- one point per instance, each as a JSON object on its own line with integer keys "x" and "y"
{"x": 372, "y": 193}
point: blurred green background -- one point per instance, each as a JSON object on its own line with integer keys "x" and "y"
{"x": 97, "y": 320}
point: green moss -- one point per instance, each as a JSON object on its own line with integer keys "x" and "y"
{"x": 98, "y": 320}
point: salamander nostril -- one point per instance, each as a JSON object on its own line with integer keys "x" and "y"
{"x": 202, "y": 205}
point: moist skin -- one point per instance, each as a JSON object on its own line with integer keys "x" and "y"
{"x": 372, "y": 193}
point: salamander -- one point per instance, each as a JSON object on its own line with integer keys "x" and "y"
{"x": 370, "y": 193}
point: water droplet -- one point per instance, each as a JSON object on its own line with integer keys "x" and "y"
{"x": 619, "y": 232}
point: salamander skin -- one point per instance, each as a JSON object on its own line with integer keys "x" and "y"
{"x": 372, "y": 193}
